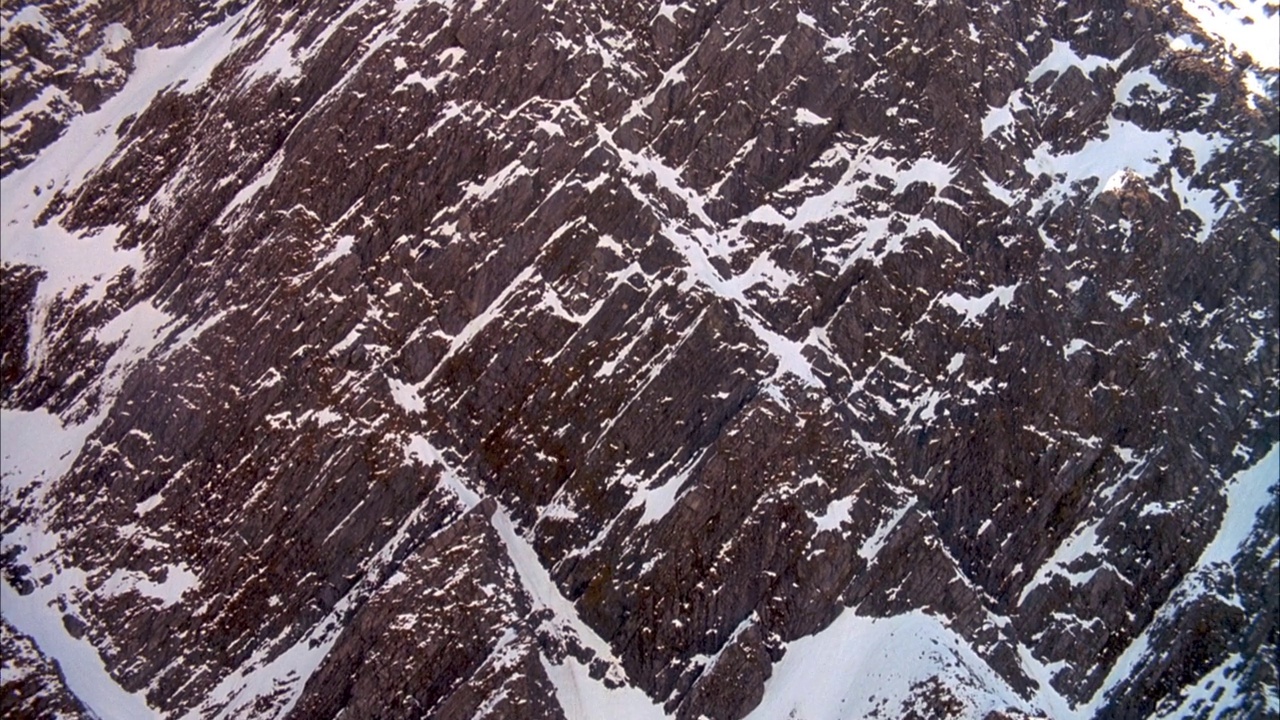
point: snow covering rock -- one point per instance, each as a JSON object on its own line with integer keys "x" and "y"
{"x": 524, "y": 359}
{"x": 31, "y": 686}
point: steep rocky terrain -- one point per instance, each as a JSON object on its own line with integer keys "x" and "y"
{"x": 724, "y": 359}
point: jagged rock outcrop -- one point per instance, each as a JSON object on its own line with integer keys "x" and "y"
{"x": 502, "y": 359}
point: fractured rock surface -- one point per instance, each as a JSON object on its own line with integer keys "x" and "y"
{"x": 520, "y": 359}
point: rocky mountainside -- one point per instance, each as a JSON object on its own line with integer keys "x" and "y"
{"x": 706, "y": 359}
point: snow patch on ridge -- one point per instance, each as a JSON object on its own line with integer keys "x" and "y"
{"x": 1061, "y": 58}
{"x": 836, "y": 514}
{"x": 582, "y": 697}
{"x": 860, "y": 666}
{"x": 875, "y": 542}
{"x": 37, "y": 450}
{"x": 1081, "y": 544}
{"x": 973, "y": 308}
{"x": 1248, "y": 494}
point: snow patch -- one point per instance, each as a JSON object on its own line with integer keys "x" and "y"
{"x": 341, "y": 248}
{"x": 36, "y": 615}
{"x": 38, "y": 448}
{"x": 863, "y": 667}
{"x": 805, "y": 116}
{"x": 1248, "y": 494}
{"x": 178, "y": 579}
{"x": 973, "y": 308}
{"x": 1073, "y": 347}
{"x": 836, "y": 514}
{"x": 582, "y": 697}
{"x": 277, "y": 61}
{"x": 1061, "y": 58}
{"x": 876, "y": 541}
{"x": 1244, "y": 25}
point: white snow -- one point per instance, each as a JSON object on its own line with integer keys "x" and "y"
{"x": 177, "y": 581}
{"x": 1244, "y": 25}
{"x": 1074, "y": 346}
{"x": 149, "y": 504}
{"x": 1124, "y": 153}
{"x": 406, "y": 396}
{"x": 69, "y": 260}
{"x": 973, "y": 308}
{"x": 140, "y": 330}
{"x": 1119, "y": 298}
{"x": 36, "y": 450}
{"x": 277, "y": 60}
{"x": 1082, "y": 543}
{"x": 659, "y": 501}
{"x": 859, "y": 665}
{"x": 1004, "y": 115}
{"x": 1061, "y": 58}
{"x": 37, "y": 447}
{"x": 187, "y": 336}
{"x": 36, "y": 616}
{"x": 582, "y": 697}
{"x": 30, "y": 15}
{"x": 996, "y": 118}
{"x": 497, "y": 181}
{"x": 804, "y": 116}
{"x": 924, "y": 406}
{"x": 693, "y": 243}
{"x": 1123, "y": 147}
{"x": 861, "y": 169}
{"x": 265, "y": 177}
{"x": 1215, "y": 694}
{"x": 341, "y": 248}
{"x": 421, "y": 449}
{"x": 1138, "y": 78}
{"x": 1248, "y": 493}
{"x": 190, "y": 66}
{"x": 478, "y": 323}
{"x": 924, "y": 169}
{"x": 875, "y": 542}
{"x": 846, "y": 671}
{"x": 1119, "y": 180}
{"x": 836, "y": 514}
{"x": 92, "y": 257}
{"x": 278, "y": 677}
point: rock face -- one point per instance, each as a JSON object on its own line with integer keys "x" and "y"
{"x": 525, "y": 359}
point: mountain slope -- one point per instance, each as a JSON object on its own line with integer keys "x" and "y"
{"x": 520, "y": 359}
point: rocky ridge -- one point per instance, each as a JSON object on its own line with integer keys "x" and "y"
{"x": 507, "y": 359}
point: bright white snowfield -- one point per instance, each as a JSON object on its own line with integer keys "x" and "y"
{"x": 855, "y": 667}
